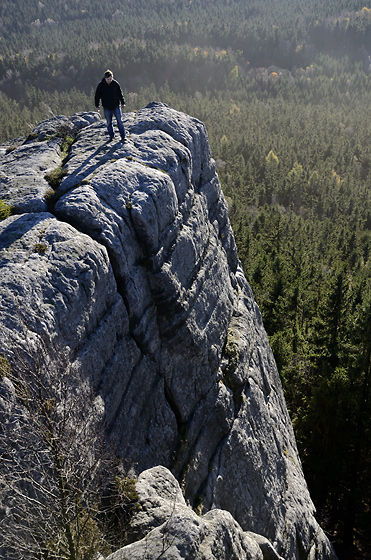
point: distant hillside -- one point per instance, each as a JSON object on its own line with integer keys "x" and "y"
{"x": 284, "y": 89}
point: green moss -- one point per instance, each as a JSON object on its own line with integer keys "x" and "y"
{"x": 126, "y": 489}
{"x": 11, "y": 149}
{"x": 55, "y": 177}
{"x": 52, "y": 196}
{"x": 31, "y": 136}
{"x": 199, "y": 506}
{"x": 121, "y": 503}
{"x": 40, "y": 248}
{"x": 231, "y": 351}
{"x": 286, "y": 453}
{"x": 230, "y": 377}
{"x": 5, "y": 210}
{"x": 66, "y": 145}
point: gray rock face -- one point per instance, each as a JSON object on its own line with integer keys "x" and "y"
{"x": 23, "y": 165}
{"x": 168, "y": 528}
{"x": 136, "y": 270}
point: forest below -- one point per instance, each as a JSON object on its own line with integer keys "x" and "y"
{"x": 284, "y": 88}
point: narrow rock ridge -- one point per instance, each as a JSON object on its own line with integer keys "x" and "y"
{"x": 135, "y": 268}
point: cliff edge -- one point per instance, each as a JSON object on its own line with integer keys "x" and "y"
{"x": 132, "y": 264}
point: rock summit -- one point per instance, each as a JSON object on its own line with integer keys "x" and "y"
{"x": 131, "y": 263}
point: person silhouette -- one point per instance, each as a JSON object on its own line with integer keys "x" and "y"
{"x": 109, "y": 92}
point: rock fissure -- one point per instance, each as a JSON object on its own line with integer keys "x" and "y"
{"x": 140, "y": 277}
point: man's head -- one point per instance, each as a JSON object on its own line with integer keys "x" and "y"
{"x": 108, "y": 76}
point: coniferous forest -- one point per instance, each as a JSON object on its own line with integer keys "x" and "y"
{"x": 284, "y": 88}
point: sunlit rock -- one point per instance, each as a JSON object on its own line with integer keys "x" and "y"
{"x": 136, "y": 270}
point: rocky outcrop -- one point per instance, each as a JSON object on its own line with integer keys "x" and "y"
{"x": 166, "y": 527}
{"x": 135, "y": 269}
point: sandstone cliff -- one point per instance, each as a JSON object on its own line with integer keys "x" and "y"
{"x": 135, "y": 268}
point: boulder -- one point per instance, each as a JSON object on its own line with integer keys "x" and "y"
{"x": 172, "y": 530}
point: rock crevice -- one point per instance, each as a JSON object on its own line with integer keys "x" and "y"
{"x": 136, "y": 270}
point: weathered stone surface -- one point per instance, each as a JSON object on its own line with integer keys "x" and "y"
{"x": 24, "y": 163}
{"x": 140, "y": 277}
{"x": 61, "y": 125}
{"x": 47, "y": 267}
{"x": 171, "y": 530}
{"x": 60, "y": 281}
{"x": 22, "y": 175}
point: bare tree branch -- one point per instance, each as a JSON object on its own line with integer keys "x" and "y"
{"x": 53, "y": 467}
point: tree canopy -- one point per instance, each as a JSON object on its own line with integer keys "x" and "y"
{"x": 284, "y": 88}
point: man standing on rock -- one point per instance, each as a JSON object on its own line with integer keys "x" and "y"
{"x": 109, "y": 91}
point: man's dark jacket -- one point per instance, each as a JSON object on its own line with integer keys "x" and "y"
{"x": 110, "y": 94}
